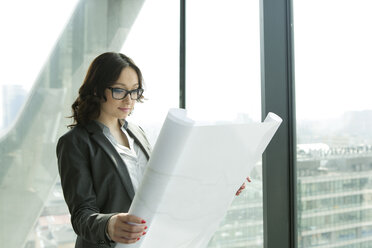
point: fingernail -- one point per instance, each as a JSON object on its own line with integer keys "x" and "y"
{"x": 138, "y": 238}
{"x": 145, "y": 227}
{"x": 143, "y": 233}
{"x": 143, "y": 221}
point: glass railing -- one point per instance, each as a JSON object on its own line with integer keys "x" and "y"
{"x": 28, "y": 168}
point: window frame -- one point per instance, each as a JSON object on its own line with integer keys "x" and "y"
{"x": 278, "y": 96}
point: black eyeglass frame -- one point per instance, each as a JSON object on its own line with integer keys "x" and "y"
{"x": 139, "y": 93}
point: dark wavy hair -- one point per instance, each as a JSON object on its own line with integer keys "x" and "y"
{"x": 102, "y": 73}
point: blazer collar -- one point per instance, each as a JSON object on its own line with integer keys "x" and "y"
{"x": 96, "y": 133}
{"x": 133, "y": 131}
{"x": 93, "y": 126}
{"x": 137, "y": 134}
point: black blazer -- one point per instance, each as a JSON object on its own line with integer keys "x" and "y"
{"x": 95, "y": 181}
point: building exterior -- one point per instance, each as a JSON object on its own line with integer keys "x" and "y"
{"x": 242, "y": 225}
{"x": 13, "y": 97}
{"x": 335, "y": 197}
{"x": 334, "y": 203}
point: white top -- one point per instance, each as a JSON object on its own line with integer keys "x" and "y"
{"x": 133, "y": 157}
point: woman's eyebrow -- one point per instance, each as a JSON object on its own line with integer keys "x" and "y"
{"x": 135, "y": 85}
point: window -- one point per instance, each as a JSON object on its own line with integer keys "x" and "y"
{"x": 223, "y": 82}
{"x": 332, "y": 55}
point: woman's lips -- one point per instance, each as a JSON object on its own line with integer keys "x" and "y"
{"x": 124, "y": 109}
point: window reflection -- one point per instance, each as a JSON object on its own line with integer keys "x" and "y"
{"x": 32, "y": 210}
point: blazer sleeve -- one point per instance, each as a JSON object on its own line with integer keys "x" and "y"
{"x": 78, "y": 190}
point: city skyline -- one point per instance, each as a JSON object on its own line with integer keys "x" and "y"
{"x": 13, "y": 96}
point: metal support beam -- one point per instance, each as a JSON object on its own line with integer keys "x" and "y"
{"x": 278, "y": 97}
{"x": 182, "y": 102}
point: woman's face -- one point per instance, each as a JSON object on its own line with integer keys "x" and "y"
{"x": 120, "y": 109}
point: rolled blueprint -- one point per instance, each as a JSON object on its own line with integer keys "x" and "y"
{"x": 192, "y": 177}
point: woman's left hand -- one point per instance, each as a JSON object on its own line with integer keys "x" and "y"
{"x": 242, "y": 187}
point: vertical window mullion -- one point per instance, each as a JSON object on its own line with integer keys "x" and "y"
{"x": 182, "y": 92}
{"x": 278, "y": 97}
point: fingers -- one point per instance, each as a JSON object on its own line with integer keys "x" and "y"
{"x": 243, "y": 186}
{"x": 130, "y": 218}
{"x": 128, "y": 237}
{"x": 132, "y": 228}
{"x": 125, "y": 240}
{"x": 238, "y": 192}
{"x": 240, "y": 189}
{"x": 125, "y": 228}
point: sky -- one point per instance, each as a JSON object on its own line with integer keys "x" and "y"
{"x": 333, "y": 57}
{"x": 332, "y": 53}
{"x": 222, "y": 80}
{"x": 29, "y": 30}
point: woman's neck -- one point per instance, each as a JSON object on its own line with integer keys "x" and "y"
{"x": 112, "y": 123}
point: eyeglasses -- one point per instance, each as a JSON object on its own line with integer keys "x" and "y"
{"x": 119, "y": 93}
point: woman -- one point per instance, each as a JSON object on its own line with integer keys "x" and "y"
{"x": 101, "y": 160}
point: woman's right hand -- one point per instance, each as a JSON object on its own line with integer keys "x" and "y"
{"x": 121, "y": 231}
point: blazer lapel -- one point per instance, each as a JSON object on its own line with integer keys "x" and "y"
{"x": 105, "y": 144}
{"x": 139, "y": 137}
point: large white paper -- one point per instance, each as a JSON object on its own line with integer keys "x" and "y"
{"x": 193, "y": 175}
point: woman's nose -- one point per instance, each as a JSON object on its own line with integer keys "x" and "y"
{"x": 127, "y": 98}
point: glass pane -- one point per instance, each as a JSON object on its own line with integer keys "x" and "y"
{"x": 46, "y": 48}
{"x": 23, "y": 53}
{"x": 223, "y": 82}
{"x": 153, "y": 43}
{"x": 334, "y": 118}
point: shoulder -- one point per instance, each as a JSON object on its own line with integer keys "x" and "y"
{"x": 75, "y": 139}
{"x": 76, "y": 134}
